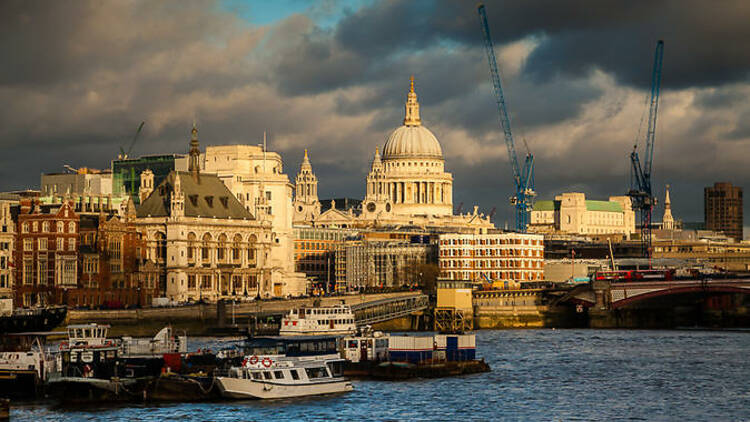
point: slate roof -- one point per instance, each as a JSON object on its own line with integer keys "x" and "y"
{"x": 208, "y": 197}
{"x": 609, "y": 206}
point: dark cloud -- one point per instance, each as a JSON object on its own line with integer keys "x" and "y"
{"x": 78, "y": 77}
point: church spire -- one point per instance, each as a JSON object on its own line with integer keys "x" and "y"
{"x": 195, "y": 154}
{"x": 412, "y": 107}
{"x": 667, "y": 220}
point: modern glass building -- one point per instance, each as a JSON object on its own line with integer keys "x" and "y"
{"x": 126, "y": 174}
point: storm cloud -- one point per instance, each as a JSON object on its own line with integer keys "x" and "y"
{"x": 79, "y": 76}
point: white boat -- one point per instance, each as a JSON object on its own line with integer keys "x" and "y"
{"x": 25, "y": 365}
{"x": 164, "y": 342}
{"x": 286, "y": 367}
{"x": 332, "y": 320}
{"x": 365, "y": 345}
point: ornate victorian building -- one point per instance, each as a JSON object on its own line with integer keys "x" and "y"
{"x": 203, "y": 242}
{"x": 407, "y": 185}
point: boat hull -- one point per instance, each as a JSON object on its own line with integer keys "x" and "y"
{"x": 237, "y": 388}
{"x": 44, "y": 319}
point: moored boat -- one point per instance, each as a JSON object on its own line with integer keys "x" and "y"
{"x": 278, "y": 367}
{"x": 325, "y": 320}
{"x": 25, "y": 365}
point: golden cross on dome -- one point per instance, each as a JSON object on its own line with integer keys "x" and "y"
{"x": 412, "y": 83}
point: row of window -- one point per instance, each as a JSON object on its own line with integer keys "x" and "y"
{"x": 33, "y": 227}
{"x": 491, "y": 252}
{"x": 532, "y": 242}
{"x": 494, "y": 263}
{"x": 495, "y": 275}
{"x": 43, "y": 244}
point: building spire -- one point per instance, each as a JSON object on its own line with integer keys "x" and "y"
{"x": 195, "y": 153}
{"x": 412, "y": 107}
{"x": 667, "y": 220}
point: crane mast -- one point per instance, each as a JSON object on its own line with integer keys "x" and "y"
{"x": 523, "y": 177}
{"x": 640, "y": 182}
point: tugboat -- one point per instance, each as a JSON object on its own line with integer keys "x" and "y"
{"x": 330, "y": 320}
{"x": 91, "y": 369}
{"x": 285, "y": 367}
{"x": 29, "y": 320}
{"x": 25, "y": 366}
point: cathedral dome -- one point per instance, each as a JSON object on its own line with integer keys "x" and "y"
{"x": 412, "y": 140}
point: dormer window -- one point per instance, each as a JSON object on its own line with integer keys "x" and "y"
{"x": 193, "y": 200}
{"x": 224, "y": 201}
{"x": 210, "y": 201}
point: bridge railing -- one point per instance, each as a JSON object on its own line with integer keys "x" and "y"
{"x": 387, "y": 309}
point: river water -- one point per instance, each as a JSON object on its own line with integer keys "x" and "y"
{"x": 537, "y": 375}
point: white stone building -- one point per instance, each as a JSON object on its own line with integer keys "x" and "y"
{"x": 256, "y": 178}
{"x": 205, "y": 243}
{"x": 571, "y": 213}
{"x": 496, "y": 258}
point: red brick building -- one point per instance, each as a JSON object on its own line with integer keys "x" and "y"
{"x": 46, "y": 256}
{"x": 109, "y": 258}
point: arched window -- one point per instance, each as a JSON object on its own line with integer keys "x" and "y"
{"x": 192, "y": 244}
{"x": 60, "y": 227}
{"x": 161, "y": 246}
{"x": 251, "y": 245}
{"x": 71, "y": 227}
{"x": 236, "y": 247}
{"x": 221, "y": 249}
{"x": 205, "y": 247}
{"x": 45, "y": 227}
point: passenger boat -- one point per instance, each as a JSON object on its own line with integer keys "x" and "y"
{"x": 333, "y": 320}
{"x": 285, "y": 367}
{"x": 29, "y": 320}
{"x": 25, "y": 365}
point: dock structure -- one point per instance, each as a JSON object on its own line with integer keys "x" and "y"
{"x": 369, "y": 313}
{"x": 455, "y": 310}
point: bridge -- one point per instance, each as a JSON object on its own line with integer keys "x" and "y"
{"x": 615, "y": 295}
{"x": 390, "y": 308}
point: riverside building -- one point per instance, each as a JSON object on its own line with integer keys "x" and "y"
{"x": 204, "y": 241}
{"x": 571, "y": 213}
{"x": 503, "y": 257}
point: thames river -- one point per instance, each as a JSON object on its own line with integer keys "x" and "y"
{"x": 600, "y": 375}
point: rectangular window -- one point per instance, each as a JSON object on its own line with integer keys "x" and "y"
{"x": 60, "y": 244}
{"x": 266, "y": 375}
{"x": 28, "y": 245}
{"x": 295, "y": 374}
{"x": 71, "y": 244}
{"x": 278, "y": 375}
{"x": 191, "y": 282}
{"x": 42, "y": 267}
{"x": 28, "y": 271}
{"x": 42, "y": 243}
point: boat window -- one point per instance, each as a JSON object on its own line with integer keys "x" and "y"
{"x": 337, "y": 368}
{"x": 278, "y": 375}
{"x": 316, "y": 373}
{"x": 257, "y": 376}
{"x": 295, "y": 375}
{"x": 266, "y": 375}
{"x": 352, "y": 344}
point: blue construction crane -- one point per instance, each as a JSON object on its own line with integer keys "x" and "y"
{"x": 640, "y": 178}
{"x": 523, "y": 178}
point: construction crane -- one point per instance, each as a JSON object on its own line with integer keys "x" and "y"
{"x": 123, "y": 154}
{"x": 640, "y": 176}
{"x": 523, "y": 178}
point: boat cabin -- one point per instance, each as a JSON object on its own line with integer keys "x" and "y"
{"x": 87, "y": 335}
{"x": 291, "y": 346}
{"x": 368, "y": 347}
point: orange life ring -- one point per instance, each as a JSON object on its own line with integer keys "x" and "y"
{"x": 253, "y": 360}
{"x": 267, "y": 362}
{"x": 63, "y": 345}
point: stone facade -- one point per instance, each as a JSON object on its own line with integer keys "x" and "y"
{"x": 204, "y": 243}
{"x": 255, "y": 176}
{"x": 571, "y": 213}
{"x": 306, "y": 204}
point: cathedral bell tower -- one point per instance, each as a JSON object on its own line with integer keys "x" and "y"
{"x": 306, "y": 204}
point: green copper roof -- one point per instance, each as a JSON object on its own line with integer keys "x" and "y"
{"x": 609, "y": 206}
{"x": 546, "y": 205}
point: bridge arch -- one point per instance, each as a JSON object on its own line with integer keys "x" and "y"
{"x": 674, "y": 291}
